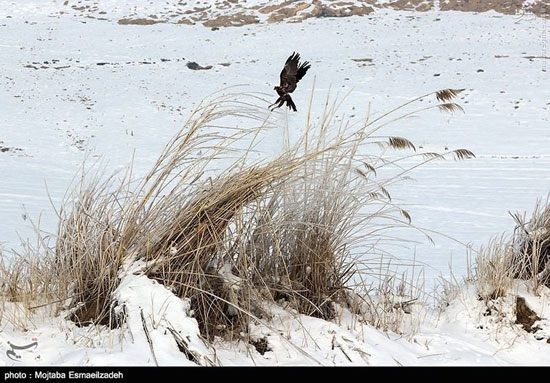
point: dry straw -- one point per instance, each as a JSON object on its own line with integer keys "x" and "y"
{"x": 297, "y": 229}
{"x": 524, "y": 255}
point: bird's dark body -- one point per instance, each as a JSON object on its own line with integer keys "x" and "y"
{"x": 280, "y": 91}
{"x": 292, "y": 72}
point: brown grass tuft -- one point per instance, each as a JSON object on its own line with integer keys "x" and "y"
{"x": 525, "y": 255}
{"x": 495, "y": 269}
{"x": 532, "y": 241}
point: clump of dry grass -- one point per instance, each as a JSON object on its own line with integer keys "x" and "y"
{"x": 306, "y": 236}
{"x": 193, "y": 252}
{"x": 292, "y": 228}
{"x": 18, "y": 276}
{"x": 495, "y": 269}
{"x": 532, "y": 242}
{"x": 87, "y": 252}
{"x": 525, "y": 255}
{"x": 172, "y": 219}
{"x": 106, "y": 222}
{"x": 27, "y": 282}
{"x": 393, "y": 303}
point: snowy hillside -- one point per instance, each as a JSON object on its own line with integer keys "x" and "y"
{"x": 224, "y": 13}
{"x": 109, "y": 81}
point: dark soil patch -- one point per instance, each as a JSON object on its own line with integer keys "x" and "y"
{"x": 261, "y": 345}
{"x": 525, "y": 316}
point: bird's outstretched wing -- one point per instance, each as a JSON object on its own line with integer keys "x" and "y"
{"x": 290, "y": 72}
{"x": 302, "y": 70}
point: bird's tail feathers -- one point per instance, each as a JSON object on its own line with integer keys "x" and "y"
{"x": 290, "y": 103}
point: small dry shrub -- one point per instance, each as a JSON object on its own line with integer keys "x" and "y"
{"x": 495, "y": 269}
{"x": 532, "y": 242}
{"x": 87, "y": 251}
{"x": 525, "y": 255}
{"x": 192, "y": 255}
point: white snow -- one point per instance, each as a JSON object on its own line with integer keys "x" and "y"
{"x": 462, "y": 334}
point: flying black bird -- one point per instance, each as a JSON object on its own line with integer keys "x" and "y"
{"x": 290, "y": 75}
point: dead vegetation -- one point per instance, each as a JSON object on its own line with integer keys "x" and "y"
{"x": 296, "y": 230}
{"x": 525, "y": 255}
{"x": 494, "y": 269}
{"x": 532, "y": 240}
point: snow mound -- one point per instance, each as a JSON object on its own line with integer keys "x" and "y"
{"x": 159, "y": 329}
{"x": 157, "y": 319}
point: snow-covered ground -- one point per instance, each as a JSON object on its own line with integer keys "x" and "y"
{"x": 74, "y": 87}
{"x": 468, "y": 332}
{"x": 61, "y": 105}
